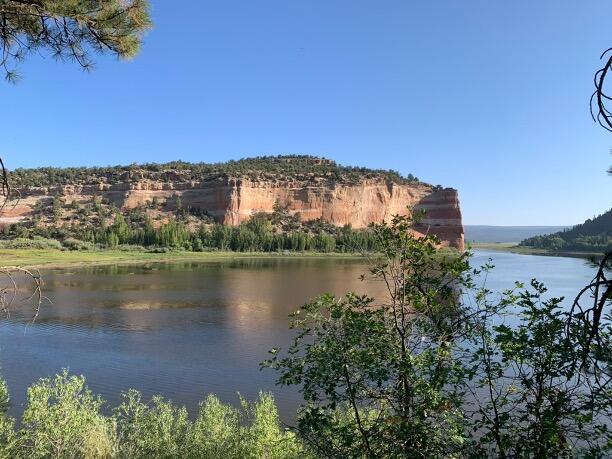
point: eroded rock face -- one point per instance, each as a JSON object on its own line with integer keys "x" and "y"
{"x": 233, "y": 201}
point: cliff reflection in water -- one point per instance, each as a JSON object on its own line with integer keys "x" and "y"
{"x": 187, "y": 329}
{"x": 180, "y": 329}
{"x": 243, "y": 291}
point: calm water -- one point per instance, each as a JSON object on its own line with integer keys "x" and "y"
{"x": 184, "y": 330}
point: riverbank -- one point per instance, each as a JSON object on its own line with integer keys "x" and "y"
{"x": 514, "y": 248}
{"x": 50, "y": 258}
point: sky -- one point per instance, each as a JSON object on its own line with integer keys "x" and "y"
{"x": 489, "y": 97}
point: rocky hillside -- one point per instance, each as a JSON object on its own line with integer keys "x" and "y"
{"x": 308, "y": 187}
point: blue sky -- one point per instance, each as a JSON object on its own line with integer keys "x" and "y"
{"x": 490, "y": 97}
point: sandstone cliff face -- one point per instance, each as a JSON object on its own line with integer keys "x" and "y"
{"x": 233, "y": 201}
{"x": 358, "y": 205}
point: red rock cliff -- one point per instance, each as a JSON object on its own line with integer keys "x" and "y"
{"x": 234, "y": 200}
{"x": 359, "y": 205}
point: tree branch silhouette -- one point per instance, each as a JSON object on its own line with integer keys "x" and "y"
{"x": 588, "y": 318}
{"x": 70, "y": 30}
{"x": 599, "y": 99}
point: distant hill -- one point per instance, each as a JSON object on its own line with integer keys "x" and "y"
{"x": 594, "y": 235}
{"x": 485, "y": 233}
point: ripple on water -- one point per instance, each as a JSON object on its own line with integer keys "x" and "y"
{"x": 188, "y": 329}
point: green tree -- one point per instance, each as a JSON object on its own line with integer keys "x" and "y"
{"x": 441, "y": 368}
{"x": 179, "y": 210}
{"x": 221, "y": 236}
{"x": 70, "y": 29}
{"x": 280, "y": 214}
{"x": 57, "y": 208}
{"x": 535, "y": 401}
{"x": 379, "y": 378}
{"x": 121, "y": 229}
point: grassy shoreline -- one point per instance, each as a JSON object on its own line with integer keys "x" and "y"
{"x": 514, "y": 248}
{"x": 50, "y": 258}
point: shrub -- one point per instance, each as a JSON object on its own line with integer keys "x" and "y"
{"x": 217, "y": 431}
{"x": 264, "y": 437}
{"x": 160, "y": 250}
{"x": 162, "y": 430}
{"x": 159, "y": 430}
{"x": 7, "y": 424}
{"x": 38, "y": 243}
{"x": 62, "y": 419}
{"x": 76, "y": 244}
{"x": 130, "y": 248}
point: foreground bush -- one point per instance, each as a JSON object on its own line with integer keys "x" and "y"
{"x": 63, "y": 419}
{"x": 443, "y": 368}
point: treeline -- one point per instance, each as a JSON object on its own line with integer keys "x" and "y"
{"x": 594, "y": 235}
{"x": 256, "y": 235}
{"x": 273, "y": 168}
{"x": 262, "y": 233}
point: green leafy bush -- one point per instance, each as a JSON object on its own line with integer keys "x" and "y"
{"x": 36, "y": 242}
{"x": 75, "y": 244}
{"x": 63, "y": 419}
{"x": 8, "y": 438}
{"x": 439, "y": 367}
{"x": 156, "y": 430}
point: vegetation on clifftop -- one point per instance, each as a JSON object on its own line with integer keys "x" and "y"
{"x": 264, "y": 168}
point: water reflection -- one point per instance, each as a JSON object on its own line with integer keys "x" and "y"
{"x": 181, "y": 329}
{"x": 188, "y": 329}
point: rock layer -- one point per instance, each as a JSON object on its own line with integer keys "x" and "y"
{"x": 233, "y": 201}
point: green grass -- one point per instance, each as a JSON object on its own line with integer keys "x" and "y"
{"x": 508, "y": 247}
{"x": 505, "y": 246}
{"x": 514, "y": 248}
{"x": 52, "y": 258}
{"x": 60, "y": 258}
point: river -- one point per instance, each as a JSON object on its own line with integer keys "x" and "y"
{"x": 184, "y": 330}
